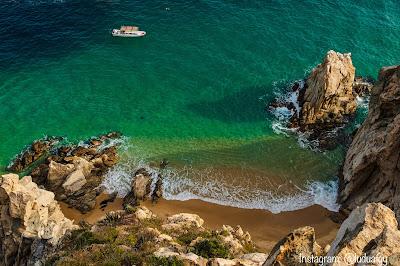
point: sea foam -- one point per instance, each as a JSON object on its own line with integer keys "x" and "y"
{"x": 187, "y": 183}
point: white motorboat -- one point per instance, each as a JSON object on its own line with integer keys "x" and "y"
{"x": 128, "y": 31}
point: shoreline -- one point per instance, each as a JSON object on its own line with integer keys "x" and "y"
{"x": 265, "y": 228}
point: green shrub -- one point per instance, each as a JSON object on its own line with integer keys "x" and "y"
{"x": 163, "y": 261}
{"x": 188, "y": 237}
{"x": 83, "y": 238}
{"x": 106, "y": 235}
{"x": 211, "y": 248}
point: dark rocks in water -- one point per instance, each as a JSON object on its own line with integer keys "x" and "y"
{"x": 362, "y": 86}
{"x": 371, "y": 169}
{"x": 158, "y": 190}
{"x": 40, "y": 173}
{"x": 34, "y": 152}
{"x": 74, "y": 172}
{"x": 140, "y": 188}
{"x": 164, "y": 163}
{"x": 111, "y": 198}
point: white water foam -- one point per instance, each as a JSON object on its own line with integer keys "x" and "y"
{"x": 187, "y": 183}
{"x": 363, "y": 104}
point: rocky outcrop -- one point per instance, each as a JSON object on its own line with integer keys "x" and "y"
{"x": 140, "y": 188}
{"x": 371, "y": 169}
{"x": 31, "y": 154}
{"x": 328, "y": 96}
{"x": 74, "y": 172}
{"x": 294, "y": 247}
{"x": 321, "y": 104}
{"x": 182, "y": 221}
{"x": 370, "y": 230}
{"x": 31, "y": 222}
{"x": 362, "y": 86}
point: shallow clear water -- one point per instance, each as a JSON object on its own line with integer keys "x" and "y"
{"x": 193, "y": 90}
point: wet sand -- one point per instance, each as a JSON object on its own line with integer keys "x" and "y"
{"x": 265, "y": 227}
{"x": 94, "y": 215}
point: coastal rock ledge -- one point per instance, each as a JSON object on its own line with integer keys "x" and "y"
{"x": 31, "y": 221}
{"x": 371, "y": 171}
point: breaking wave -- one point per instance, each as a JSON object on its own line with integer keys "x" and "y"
{"x": 249, "y": 192}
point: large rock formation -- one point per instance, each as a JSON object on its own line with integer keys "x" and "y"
{"x": 74, "y": 172}
{"x": 371, "y": 172}
{"x": 328, "y": 97}
{"x": 369, "y": 236}
{"x": 322, "y": 103}
{"x": 370, "y": 231}
{"x": 31, "y": 222}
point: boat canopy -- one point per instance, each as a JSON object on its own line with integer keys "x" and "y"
{"x": 128, "y": 29}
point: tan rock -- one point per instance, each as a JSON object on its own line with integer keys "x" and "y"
{"x": 231, "y": 262}
{"x": 28, "y": 212}
{"x": 165, "y": 252}
{"x": 290, "y": 250}
{"x": 222, "y": 262}
{"x": 142, "y": 213}
{"x": 74, "y": 182}
{"x": 371, "y": 169}
{"x": 58, "y": 172}
{"x": 329, "y": 96}
{"x": 140, "y": 189}
{"x": 370, "y": 229}
{"x": 141, "y": 186}
{"x": 258, "y": 258}
{"x": 183, "y": 221}
{"x": 192, "y": 259}
{"x": 82, "y": 164}
{"x": 234, "y": 238}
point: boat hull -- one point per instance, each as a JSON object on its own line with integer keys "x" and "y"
{"x": 135, "y": 34}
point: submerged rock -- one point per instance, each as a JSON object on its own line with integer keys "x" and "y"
{"x": 31, "y": 221}
{"x": 328, "y": 97}
{"x": 371, "y": 169}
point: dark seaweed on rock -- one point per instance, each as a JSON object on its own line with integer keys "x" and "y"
{"x": 32, "y": 154}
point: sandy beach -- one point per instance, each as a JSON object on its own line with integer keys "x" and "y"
{"x": 265, "y": 227}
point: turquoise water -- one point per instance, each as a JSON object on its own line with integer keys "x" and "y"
{"x": 193, "y": 90}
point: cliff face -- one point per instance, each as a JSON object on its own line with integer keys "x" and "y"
{"x": 371, "y": 172}
{"x": 31, "y": 221}
{"x": 329, "y": 91}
